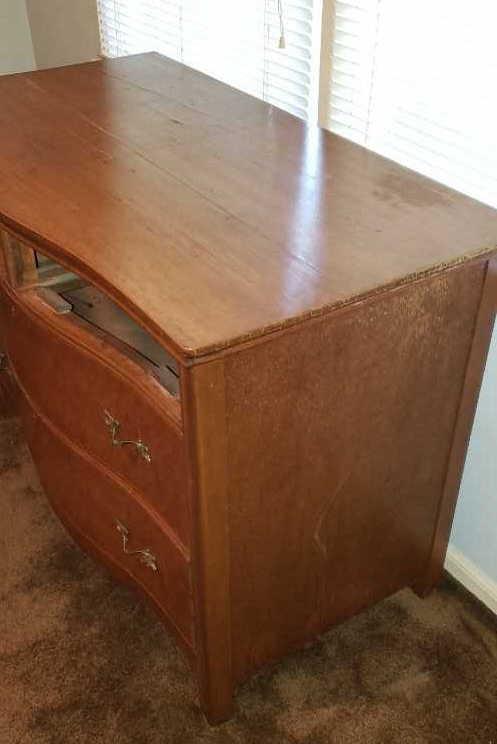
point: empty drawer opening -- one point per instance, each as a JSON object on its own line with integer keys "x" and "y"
{"x": 66, "y": 292}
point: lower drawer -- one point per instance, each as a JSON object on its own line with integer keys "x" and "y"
{"x": 113, "y": 521}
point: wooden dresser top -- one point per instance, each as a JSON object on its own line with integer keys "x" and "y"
{"x": 209, "y": 215}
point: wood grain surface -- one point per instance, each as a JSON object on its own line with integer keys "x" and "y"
{"x": 77, "y": 377}
{"x": 204, "y": 406}
{"x": 475, "y": 368}
{"x": 89, "y": 499}
{"x": 210, "y": 215}
{"x": 339, "y": 439}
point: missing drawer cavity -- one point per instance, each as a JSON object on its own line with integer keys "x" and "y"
{"x": 67, "y": 293}
{"x": 97, "y": 309}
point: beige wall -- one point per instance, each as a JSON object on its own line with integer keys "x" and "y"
{"x": 63, "y": 31}
{"x": 16, "y": 47}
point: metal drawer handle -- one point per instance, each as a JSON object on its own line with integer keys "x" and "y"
{"x": 145, "y": 555}
{"x": 114, "y": 426}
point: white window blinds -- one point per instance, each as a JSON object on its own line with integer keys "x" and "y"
{"x": 236, "y": 41}
{"x": 416, "y": 80}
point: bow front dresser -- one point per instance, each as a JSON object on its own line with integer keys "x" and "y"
{"x": 246, "y": 352}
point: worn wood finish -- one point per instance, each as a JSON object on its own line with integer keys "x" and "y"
{"x": 19, "y": 266}
{"x": 462, "y": 430}
{"x": 246, "y": 218}
{"x": 328, "y": 312}
{"x": 91, "y": 500}
{"x": 205, "y": 420}
{"x": 72, "y": 364}
{"x": 338, "y": 441}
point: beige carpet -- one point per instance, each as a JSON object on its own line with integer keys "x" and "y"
{"x": 82, "y": 661}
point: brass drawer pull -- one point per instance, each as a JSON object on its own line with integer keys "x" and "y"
{"x": 114, "y": 426}
{"x": 145, "y": 555}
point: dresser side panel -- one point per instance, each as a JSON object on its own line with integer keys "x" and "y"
{"x": 475, "y": 369}
{"x": 339, "y": 435}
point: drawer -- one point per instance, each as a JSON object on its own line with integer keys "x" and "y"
{"x": 104, "y": 401}
{"x": 114, "y": 522}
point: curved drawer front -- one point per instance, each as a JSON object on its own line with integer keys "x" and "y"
{"x": 104, "y": 401}
{"x": 113, "y": 521}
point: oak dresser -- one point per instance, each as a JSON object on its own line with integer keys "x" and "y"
{"x": 245, "y": 351}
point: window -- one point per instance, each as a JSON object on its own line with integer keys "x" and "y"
{"x": 411, "y": 79}
{"x": 416, "y": 81}
{"x": 236, "y": 41}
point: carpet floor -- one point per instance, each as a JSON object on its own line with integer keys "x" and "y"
{"x": 82, "y": 661}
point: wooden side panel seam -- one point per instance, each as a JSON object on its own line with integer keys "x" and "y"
{"x": 475, "y": 368}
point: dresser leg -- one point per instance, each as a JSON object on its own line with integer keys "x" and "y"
{"x": 8, "y": 391}
{"x": 217, "y": 705}
{"x": 424, "y": 587}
